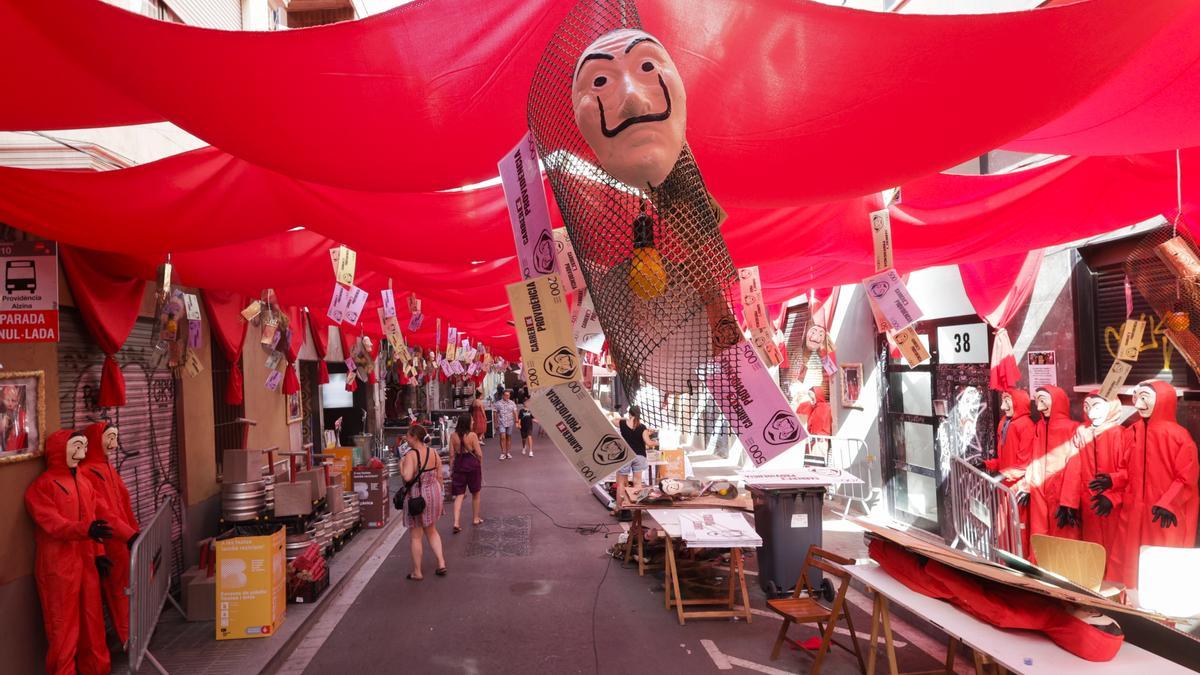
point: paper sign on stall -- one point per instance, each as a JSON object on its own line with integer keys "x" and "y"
{"x": 526, "y": 196}
{"x": 910, "y": 346}
{"x": 357, "y": 298}
{"x": 539, "y": 309}
{"x": 580, "y": 430}
{"x": 343, "y": 264}
{"x": 1131, "y": 340}
{"x": 881, "y": 234}
{"x": 896, "y": 306}
{"x": 1115, "y": 379}
{"x": 765, "y": 422}
{"x": 585, "y": 326}
{"x": 389, "y": 302}
{"x": 568, "y": 263}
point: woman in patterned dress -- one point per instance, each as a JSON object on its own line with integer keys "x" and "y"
{"x": 423, "y": 463}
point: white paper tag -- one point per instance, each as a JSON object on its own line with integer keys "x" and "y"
{"x": 568, "y": 262}
{"x": 799, "y": 520}
{"x": 585, "y": 326}
{"x": 389, "y": 302}
{"x": 192, "y": 304}
{"x": 881, "y": 233}
{"x": 357, "y": 298}
{"x": 338, "y": 303}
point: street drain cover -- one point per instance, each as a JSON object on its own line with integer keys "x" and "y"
{"x": 506, "y": 537}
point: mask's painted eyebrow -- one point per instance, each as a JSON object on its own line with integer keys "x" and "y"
{"x": 637, "y": 41}
{"x": 590, "y": 57}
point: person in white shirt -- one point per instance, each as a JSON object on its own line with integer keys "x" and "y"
{"x": 506, "y": 418}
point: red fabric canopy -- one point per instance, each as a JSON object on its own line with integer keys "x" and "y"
{"x": 998, "y": 289}
{"x": 1150, "y": 105}
{"x": 229, "y": 333}
{"x": 803, "y": 102}
{"x": 109, "y": 304}
{"x": 320, "y": 332}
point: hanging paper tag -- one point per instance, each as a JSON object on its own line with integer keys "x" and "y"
{"x": 881, "y": 233}
{"x": 356, "y": 300}
{"x": 580, "y": 430}
{"x": 389, "y": 302}
{"x": 338, "y": 303}
{"x": 252, "y": 310}
{"x": 192, "y": 305}
{"x": 194, "y": 334}
{"x": 585, "y": 326}
{"x": 1131, "y": 340}
{"x": 350, "y": 364}
{"x": 192, "y": 364}
{"x": 887, "y": 292}
{"x": 829, "y": 365}
{"x": 764, "y": 343}
{"x": 1115, "y": 379}
{"x": 543, "y": 326}
{"x": 447, "y": 368}
{"x": 273, "y": 360}
{"x": 526, "y": 197}
{"x": 414, "y": 324}
{"x": 414, "y": 305}
{"x": 275, "y": 339}
{"x": 344, "y": 260}
{"x": 754, "y": 310}
{"x": 568, "y": 262}
{"x": 765, "y": 423}
{"x": 274, "y": 379}
{"x": 910, "y": 346}
{"x": 164, "y": 278}
{"x": 270, "y": 332}
{"x": 451, "y": 336}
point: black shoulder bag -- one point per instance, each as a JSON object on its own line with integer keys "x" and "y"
{"x": 416, "y": 502}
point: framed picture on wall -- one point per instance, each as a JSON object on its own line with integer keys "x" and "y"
{"x": 22, "y": 414}
{"x": 295, "y": 408}
{"x": 852, "y": 382}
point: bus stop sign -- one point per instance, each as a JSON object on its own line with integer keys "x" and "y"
{"x": 29, "y": 302}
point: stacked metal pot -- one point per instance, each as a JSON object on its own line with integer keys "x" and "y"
{"x": 243, "y": 501}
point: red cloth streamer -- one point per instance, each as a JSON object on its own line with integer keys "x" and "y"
{"x": 447, "y": 82}
{"x": 224, "y": 311}
{"x": 291, "y": 350}
{"x": 998, "y": 289}
{"x": 320, "y": 332}
{"x": 109, "y": 305}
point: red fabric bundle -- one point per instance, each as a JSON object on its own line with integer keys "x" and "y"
{"x": 229, "y": 329}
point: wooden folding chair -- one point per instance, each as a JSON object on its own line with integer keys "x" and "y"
{"x": 803, "y": 607}
{"x": 1081, "y": 562}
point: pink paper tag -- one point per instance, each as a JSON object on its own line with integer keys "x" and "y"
{"x": 752, "y": 402}
{"x": 891, "y": 299}
{"x": 337, "y": 303}
{"x": 389, "y": 302}
{"x": 526, "y": 197}
{"x": 828, "y": 364}
{"x": 194, "y": 334}
{"x": 357, "y": 298}
{"x": 274, "y": 380}
{"x": 414, "y": 324}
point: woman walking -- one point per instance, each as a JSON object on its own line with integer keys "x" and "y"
{"x": 466, "y": 470}
{"x": 423, "y": 467}
{"x": 479, "y": 417}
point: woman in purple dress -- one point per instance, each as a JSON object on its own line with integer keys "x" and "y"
{"x": 425, "y": 465}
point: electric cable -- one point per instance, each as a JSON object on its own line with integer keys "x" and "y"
{"x": 595, "y": 604}
{"x": 584, "y": 530}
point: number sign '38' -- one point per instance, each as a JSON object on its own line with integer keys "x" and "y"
{"x": 967, "y": 343}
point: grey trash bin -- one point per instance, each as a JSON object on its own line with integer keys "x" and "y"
{"x": 789, "y": 521}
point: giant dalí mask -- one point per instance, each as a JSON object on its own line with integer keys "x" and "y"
{"x": 630, "y": 106}
{"x": 76, "y": 450}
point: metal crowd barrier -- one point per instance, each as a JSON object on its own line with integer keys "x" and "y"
{"x": 848, "y": 454}
{"x": 986, "y": 517}
{"x": 150, "y": 562}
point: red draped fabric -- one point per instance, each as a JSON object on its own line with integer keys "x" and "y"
{"x": 998, "y": 289}
{"x": 320, "y": 334}
{"x": 229, "y": 332}
{"x": 796, "y": 94}
{"x": 291, "y": 350}
{"x": 109, "y": 304}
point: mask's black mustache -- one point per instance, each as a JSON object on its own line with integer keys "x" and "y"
{"x": 652, "y": 117}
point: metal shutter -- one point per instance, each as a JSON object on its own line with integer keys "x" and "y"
{"x": 1157, "y": 354}
{"x": 149, "y": 458}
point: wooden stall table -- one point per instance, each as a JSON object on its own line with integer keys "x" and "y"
{"x": 1016, "y": 651}
{"x": 725, "y": 607}
{"x": 637, "y": 530}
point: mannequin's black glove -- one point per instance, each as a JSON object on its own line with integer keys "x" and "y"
{"x": 978, "y": 462}
{"x": 99, "y": 530}
{"x": 1067, "y": 517}
{"x": 133, "y": 539}
{"x": 1163, "y": 517}
{"x": 104, "y": 565}
{"x": 1100, "y": 483}
{"x": 1023, "y": 498}
{"x": 1101, "y": 505}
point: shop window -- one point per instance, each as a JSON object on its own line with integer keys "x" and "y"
{"x": 229, "y": 432}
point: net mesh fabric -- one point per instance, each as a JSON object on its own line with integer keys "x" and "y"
{"x": 670, "y": 350}
{"x": 1174, "y": 296}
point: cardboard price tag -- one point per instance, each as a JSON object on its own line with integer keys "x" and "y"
{"x": 896, "y": 306}
{"x": 344, "y": 261}
{"x": 881, "y": 234}
{"x": 568, "y": 263}
{"x": 252, "y": 310}
{"x": 911, "y": 347}
{"x": 192, "y": 305}
{"x": 1131, "y": 340}
{"x": 191, "y": 364}
{"x": 543, "y": 326}
{"x": 580, "y": 430}
{"x": 765, "y": 422}
{"x": 525, "y": 194}
{"x": 1115, "y": 379}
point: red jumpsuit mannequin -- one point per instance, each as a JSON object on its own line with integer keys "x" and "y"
{"x": 820, "y": 420}
{"x": 1101, "y": 449}
{"x": 69, "y": 525}
{"x": 102, "y": 440}
{"x": 1160, "y": 498}
{"x": 1014, "y": 449}
{"x": 1052, "y": 450}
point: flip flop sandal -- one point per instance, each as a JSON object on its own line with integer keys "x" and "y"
{"x": 410, "y": 577}
{"x": 457, "y": 529}
{"x": 441, "y": 571}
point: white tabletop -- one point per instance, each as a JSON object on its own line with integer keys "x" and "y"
{"x": 1010, "y": 648}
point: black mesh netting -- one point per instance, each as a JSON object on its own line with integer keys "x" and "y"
{"x": 670, "y": 350}
{"x": 1164, "y": 267}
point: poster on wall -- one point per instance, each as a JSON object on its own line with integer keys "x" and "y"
{"x": 1042, "y": 371}
{"x": 29, "y": 304}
